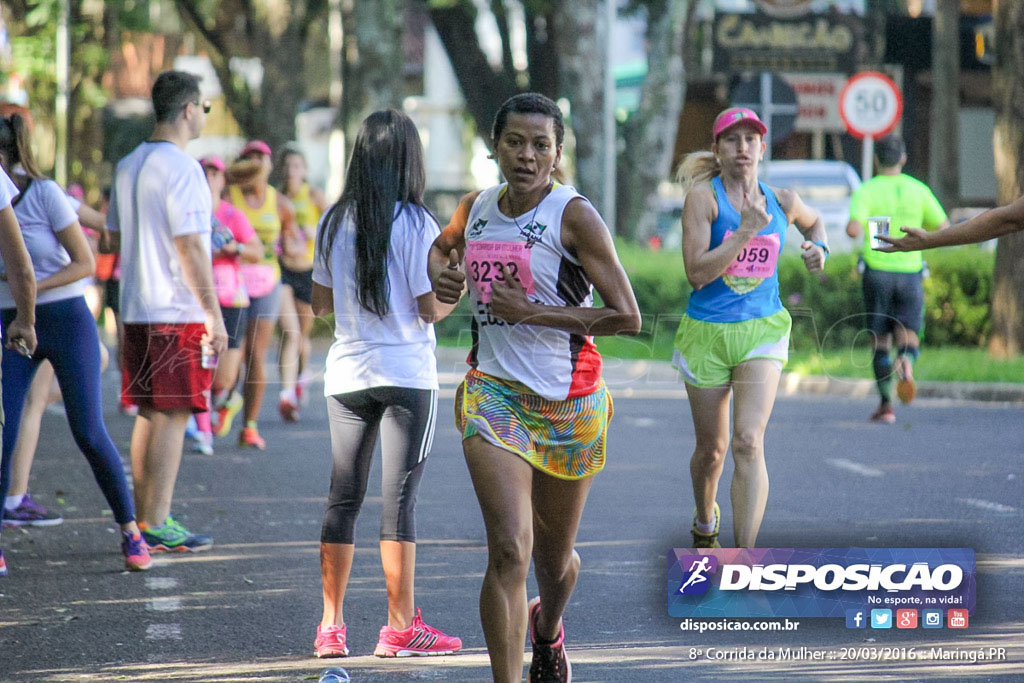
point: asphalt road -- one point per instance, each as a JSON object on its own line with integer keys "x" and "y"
{"x": 947, "y": 474}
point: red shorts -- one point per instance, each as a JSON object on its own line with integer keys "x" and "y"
{"x": 164, "y": 367}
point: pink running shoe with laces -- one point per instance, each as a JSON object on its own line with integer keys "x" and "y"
{"x": 419, "y": 640}
{"x": 550, "y": 663}
{"x": 136, "y": 552}
{"x": 331, "y": 641}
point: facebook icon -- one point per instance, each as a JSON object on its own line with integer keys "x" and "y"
{"x": 856, "y": 618}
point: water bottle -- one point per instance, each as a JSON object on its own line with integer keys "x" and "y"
{"x": 335, "y": 674}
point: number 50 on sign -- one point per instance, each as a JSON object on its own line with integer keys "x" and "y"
{"x": 870, "y": 105}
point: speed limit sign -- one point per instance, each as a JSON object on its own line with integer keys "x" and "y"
{"x": 870, "y": 105}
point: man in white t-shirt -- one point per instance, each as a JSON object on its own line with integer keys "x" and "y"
{"x": 160, "y": 218}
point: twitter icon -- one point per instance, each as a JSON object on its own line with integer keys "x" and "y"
{"x": 881, "y": 618}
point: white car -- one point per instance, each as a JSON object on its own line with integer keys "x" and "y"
{"x": 825, "y": 186}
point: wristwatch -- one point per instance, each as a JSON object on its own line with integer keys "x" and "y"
{"x": 824, "y": 247}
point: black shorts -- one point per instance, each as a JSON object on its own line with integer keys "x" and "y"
{"x": 234, "y": 321}
{"x": 893, "y": 299}
{"x": 301, "y": 282}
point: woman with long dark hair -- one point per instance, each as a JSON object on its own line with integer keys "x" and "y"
{"x": 66, "y": 332}
{"x": 381, "y": 375}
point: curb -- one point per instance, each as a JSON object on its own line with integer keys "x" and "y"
{"x": 650, "y": 374}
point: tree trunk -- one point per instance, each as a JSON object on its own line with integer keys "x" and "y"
{"x": 945, "y": 115}
{"x": 1008, "y": 142}
{"x": 581, "y": 63}
{"x": 373, "y": 61}
{"x": 483, "y": 89}
{"x": 237, "y": 30}
{"x": 650, "y": 133}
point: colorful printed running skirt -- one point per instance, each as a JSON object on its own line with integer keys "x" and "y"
{"x": 565, "y": 439}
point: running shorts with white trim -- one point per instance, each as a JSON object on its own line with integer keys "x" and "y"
{"x": 566, "y": 439}
{"x": 706, "y": 352}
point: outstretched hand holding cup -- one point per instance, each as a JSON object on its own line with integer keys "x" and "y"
{"x": 914, "y": 239}
{"x": 451, "y": 282}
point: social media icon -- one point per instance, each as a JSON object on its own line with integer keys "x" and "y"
{"x": 906, "y": 618}
{"x": 856, "y": 618}
{"x": 957, "y": 618}
{"x": 931, "y": 618}
{"x": 881, "y": 618}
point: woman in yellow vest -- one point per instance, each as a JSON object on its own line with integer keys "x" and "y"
{"x": 296, "y": 319}
{"x": 273, "y": 217}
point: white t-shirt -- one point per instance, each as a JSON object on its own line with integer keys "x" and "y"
{"x": 370, "y": 351}
{"x": 159, "y": 193}
{"x": 43, "y": 211}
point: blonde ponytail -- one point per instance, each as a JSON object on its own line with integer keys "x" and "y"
{"x": 696, "y": 168}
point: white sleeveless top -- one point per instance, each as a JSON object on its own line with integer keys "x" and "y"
{"x": 553, "y": 363}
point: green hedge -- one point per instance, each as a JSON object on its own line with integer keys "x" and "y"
{"x": 827, "y": 309}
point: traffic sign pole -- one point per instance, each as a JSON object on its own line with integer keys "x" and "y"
{"x": 867, "y": 157}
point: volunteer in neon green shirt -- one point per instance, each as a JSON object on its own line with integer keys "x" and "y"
{"x": 893, "y": 290}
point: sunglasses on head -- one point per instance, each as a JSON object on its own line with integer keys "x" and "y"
{"x": 205, "y": 104}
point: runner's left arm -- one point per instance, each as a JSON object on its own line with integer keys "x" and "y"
{"x": 810, "y": 225}
{"x": 585, "y": 234}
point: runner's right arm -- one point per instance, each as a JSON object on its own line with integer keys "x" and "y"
{"x": 705, "y": 265}
{"x": 449, "y": 282}
{"x": 198, "y": 275}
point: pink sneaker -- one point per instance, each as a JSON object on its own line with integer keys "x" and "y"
{"x": 550, "y": 664}
{"x": 330, "y": 642}
{"x": 416, "y": 641}
{"x": 136, "y": 552}
{"x": 3, "y": 564}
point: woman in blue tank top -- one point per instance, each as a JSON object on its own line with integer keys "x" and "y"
{"x": 734, "y": 337}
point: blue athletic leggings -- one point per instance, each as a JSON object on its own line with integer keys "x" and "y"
{"x": 67, "y": 338}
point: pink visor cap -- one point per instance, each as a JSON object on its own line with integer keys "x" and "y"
{"x": 213, "y": 161}
{"x": 736, "y": 115}
{"x": 255, "y": 146}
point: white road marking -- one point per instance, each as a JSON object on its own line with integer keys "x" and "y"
{"x": 164, "y": 604}
{"x": 855, "y": 467}
{"x": 163, "y": 632}
{"x": 986, "y": 505}
{"x": 156, "y": 583}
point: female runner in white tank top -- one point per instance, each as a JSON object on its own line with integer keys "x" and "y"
{"x": 533, "y": 410}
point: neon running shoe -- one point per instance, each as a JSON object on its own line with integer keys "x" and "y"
{"x": 884, "y": 414}
{"x": 418, "y": 640}
{"x": 289, "y": 409}
{"x": 550, "y": 664}
{"x": 906, "y": 389}
{"x": 3, "y": 564}
{"x": 702, "y": 540}
{"x": 136, "y": 553}
{"x": 192, "y": 429}
{"x": 250, "y": 438}
{"x": 227, "y": 412}
{"x": 173, "y": 537}
{"x": 30, "y": 513}
{"x": 330, "y": 641}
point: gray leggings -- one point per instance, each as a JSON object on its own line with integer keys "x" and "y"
{"x": 404, "y": 418}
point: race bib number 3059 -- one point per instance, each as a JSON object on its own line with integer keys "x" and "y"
{"x": 484, "y": 261}
{"x": 758, "y": 259}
